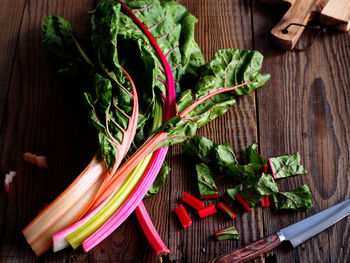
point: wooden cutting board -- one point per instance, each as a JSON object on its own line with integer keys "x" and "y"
{"x": 335, "y": 13}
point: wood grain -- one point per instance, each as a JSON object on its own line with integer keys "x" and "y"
{"x": 305, "y": 108}
{"x": 11, "y": 13}
{"x": 36, "y": 120}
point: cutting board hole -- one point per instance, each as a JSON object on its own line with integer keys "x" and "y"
{"x": 284, "y": 31}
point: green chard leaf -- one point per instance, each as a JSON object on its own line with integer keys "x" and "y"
{"x": 253, "y": 189}
{"x": 199, "y": 148}
{"x": 224, "y": 157}
{"x": 286, "y": 165}
{"x": 253, "y": 155}
{"x": 245, "y": 170}
{"x": 227, "y": 233}
{"x": 173, "y": 27}
{"x": 227, "y": 69}
{"x": 159, "y": 181}
{"x": 298, "y": 199}
{"x": 95, "y": 66}
{"x": 206, "y": 183}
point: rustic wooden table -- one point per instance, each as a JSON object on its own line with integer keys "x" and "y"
{"x": 304, "y": 107}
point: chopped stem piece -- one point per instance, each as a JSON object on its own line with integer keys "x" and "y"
{"x": 226, "y": 210}
{"x": 192, "y": 201}
{"x": 242, "y": 202}
{"x": 183, "y": 216}
{"x": 207, "y": 211}
{"x": 265, "y": 202}
{"x": 227, "y": 233}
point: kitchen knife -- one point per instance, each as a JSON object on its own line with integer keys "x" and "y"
{"x": 295, "y": 234}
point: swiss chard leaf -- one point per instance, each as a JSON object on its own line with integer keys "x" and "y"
{"x": 253, "y": 189}
{"x": 159, "y": 181}
{"x": 298, "y": 199}
{"x": 112, "y": 101}
{"x": 253, "y": 155}
{"x": 245, "y": 170}
{"x": 286, "y": 165}
{"x": 206, "y": 183}
{"x": 224, "y": 157}
{"x": 224, "y": 72}
{"x": 200, "y": 148}
{"x": 173, "y": 27}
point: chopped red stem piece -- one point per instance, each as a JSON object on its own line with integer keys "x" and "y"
{"x": 265, "y": 168}
{"x": 242, "y": 202}
{"x": 208, "y": 196}
{"x": 183, "y": 216}
{"x": 192, "y": 201}
{"x": 226, "y": 210}
{"x": 265, "y": 202}
{"x": 207, "y": 211}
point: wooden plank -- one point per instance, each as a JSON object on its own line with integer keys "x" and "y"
{"x": 337, "y": 13}
{"x": 305, "y": 108}
{"x": 11, "y": 13}
{"x": 38, "y": 119}
{"x": 222, "y": 24}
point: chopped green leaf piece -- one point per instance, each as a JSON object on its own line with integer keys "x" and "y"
{"x": 286, "y": 165}
{"x": 230, "y": 194}
{"x": 253, "y": 189}
{"x": 159, "y": 181}
{"x": 253, "y": 155}
{"x": 224, "y": 156}
{"x": 245, "y": 170}
{"x": 200, "y": 148}
{"x": 227, "y": 233}
{"x": 206, "y": 183}
{"x": 298, "y": 199}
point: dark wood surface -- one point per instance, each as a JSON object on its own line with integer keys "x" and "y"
{"x": 304, "y": 107}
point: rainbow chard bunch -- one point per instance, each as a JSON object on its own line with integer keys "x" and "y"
{"x": 133, "y": 70}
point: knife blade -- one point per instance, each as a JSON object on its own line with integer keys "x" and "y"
{"x": 295, "y": 234}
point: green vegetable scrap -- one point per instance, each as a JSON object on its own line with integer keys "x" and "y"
{"x": 253, "y": 189}
{"x": 206, "y": 183}
{"x": 286, "y": 165}
{"x": 298, "y": 199}
{"x": 255, "y": 184}
{"x": 253, "y": 155}
{"x": 227, "y": 233}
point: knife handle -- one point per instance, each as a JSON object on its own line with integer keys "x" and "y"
{"x": 250, "y": 251}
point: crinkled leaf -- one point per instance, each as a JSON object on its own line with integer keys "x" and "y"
{"x": 106, "y": 89}
{"x": 253, "y": 155}
{"x": 286, "y": 165}
{"x": 206, "y": 183}
{"x": 224, "y": 157}
{"x": 298, "y": 199}
{"x": 200, "y": 148}
{"x": 244, "y": 170}
{"x": 227, "y": 233}
{"x": 159, "y": 181}
{"x": 173, "y": 27}
{"x": 227, "y": 68}
{"x": 65, "y": 49}
{"x": 253, "y": 189}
